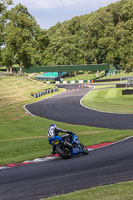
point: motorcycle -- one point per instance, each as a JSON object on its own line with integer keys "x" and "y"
{"x": 67, "y": 145}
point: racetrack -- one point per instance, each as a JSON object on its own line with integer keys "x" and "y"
{"x": 66, "y": 108}
{"x": 107, "y": 165}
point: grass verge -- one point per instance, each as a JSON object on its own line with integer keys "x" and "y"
{"x": 119, "y": 191}
{"x": 109, "y": 100}
{"x": 83, "y": 76}
{"x": 16, "y": 89}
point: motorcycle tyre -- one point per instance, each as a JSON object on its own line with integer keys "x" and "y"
{"x": 62, "y": 153}
{"x": 84, "y": 149}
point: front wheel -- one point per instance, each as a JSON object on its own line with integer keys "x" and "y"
{"x": 84, "y": 149}
{"x": 63, "y": 151}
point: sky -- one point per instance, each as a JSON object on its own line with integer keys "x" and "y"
{"x": 48, "y": 12}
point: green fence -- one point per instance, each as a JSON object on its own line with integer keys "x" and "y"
{"x": 70, "y": 68}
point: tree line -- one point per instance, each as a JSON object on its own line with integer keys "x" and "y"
{"x": 104, "y": 36}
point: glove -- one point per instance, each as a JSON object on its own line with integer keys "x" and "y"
{"x": 70, "y": 132}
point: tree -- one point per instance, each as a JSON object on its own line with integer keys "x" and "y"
{"x": 41, "y": 43}
{"x": 21, "y": 36}
{"x": 3, "y": 8}
{"x": 7, "y": 58}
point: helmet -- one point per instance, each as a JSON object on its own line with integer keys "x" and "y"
{"x": 51, "y": 130}
{"x": 52, "y": 126}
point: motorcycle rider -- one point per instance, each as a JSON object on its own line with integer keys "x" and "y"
{"x": 53, "y": 130}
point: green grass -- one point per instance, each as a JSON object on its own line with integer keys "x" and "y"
{"x": 103, "y": 86}
{"x": 18, "y": 130}
{"x": 119, "y": 191}
{"x": 119, "y": 75}
{"x": 16, "y": 89}
{"x": 109, "y": 100}
{"x": 78, "y": 77}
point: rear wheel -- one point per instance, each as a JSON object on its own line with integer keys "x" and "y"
{"x": 63, "y": 151}
{"x": 84, "y": 149}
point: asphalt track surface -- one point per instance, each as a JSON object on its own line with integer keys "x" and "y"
{"x": 66, "y": 108}
{"x": 103, "y": 166}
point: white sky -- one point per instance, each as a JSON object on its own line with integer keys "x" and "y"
{"x": 48, "y": 12}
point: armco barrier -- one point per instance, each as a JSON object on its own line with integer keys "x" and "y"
{"x": 106, "y": 80}
{"x": 39, "y": 94}
{"x": 123, "y": 85}
{"x": 127, "y": 92}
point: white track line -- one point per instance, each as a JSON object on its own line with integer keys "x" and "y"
{"x": 4, "y": 167}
